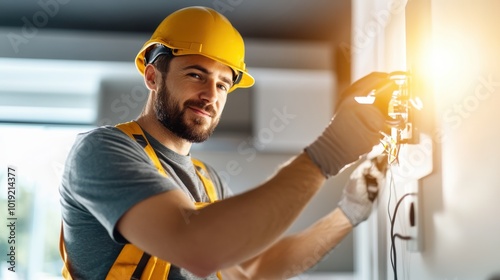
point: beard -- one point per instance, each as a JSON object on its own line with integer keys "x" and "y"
{"x": 173, "y": 116}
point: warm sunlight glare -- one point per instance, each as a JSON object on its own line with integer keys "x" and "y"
{"x": 451, "y": 60}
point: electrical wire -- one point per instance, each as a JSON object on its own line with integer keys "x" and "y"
{"x": 396, "y": 235}
{"x": 391, "y": 189}
{"x": 391, "y": 184}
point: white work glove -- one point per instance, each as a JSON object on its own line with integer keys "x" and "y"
{"x": 362, "y": 189}
{"x": 354, "y": 129}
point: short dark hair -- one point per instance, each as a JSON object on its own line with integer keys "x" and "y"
{"x": 162, "y": 63}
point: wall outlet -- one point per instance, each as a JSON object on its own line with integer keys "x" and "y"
{"x": 413, "y": 221}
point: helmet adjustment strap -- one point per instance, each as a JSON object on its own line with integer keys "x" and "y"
{"x": 237, "y": 77}
{"x": 153, "y": 53}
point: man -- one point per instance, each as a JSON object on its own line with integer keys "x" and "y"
{"x": 136, "y": 206}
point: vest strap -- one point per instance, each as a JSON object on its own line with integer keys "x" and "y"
{"x": 134, "y": 131}
{"x": 141, "y": 266}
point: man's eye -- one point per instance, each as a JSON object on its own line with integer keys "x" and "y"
{"x": 223, "y": 87}
{"x": 194, "y": 75}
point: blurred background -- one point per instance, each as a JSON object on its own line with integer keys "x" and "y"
{"x": 67, "y": 66}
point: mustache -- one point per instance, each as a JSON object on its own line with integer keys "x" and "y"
{"x": 202, "y": 105}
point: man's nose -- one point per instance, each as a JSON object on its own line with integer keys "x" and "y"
{"x": 210, "y": 92}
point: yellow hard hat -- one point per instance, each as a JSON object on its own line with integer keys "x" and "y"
{"x": 203, "y": 31}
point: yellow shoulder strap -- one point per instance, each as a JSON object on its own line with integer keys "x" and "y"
{"x": 202, "y": 172}
{"x": 134, "y": 131}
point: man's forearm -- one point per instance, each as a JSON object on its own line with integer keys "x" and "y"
{"x": 249, "y": 223}
{"x": 297, "y": 253}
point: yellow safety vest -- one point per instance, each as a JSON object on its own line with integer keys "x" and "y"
{"x": 132, "y": 262}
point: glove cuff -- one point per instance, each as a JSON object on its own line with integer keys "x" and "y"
{"x": 352, "y": 133}
{"x": 325, "y": 155}
{"x": 355, "y": 213}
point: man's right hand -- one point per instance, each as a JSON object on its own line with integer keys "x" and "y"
{"x": 362, "y": 189}
{"x": 354, "y": 129}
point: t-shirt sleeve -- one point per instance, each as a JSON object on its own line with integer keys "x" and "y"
{"x": 108, "y": 173}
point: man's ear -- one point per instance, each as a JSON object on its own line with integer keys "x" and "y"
{"x": 150, "y": 77}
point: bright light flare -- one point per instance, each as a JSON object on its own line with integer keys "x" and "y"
{"x": 451, "y": 60}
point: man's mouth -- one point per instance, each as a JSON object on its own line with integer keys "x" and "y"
{"x": 202, "y": 112}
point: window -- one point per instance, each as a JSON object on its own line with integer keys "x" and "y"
{"x": 37, "y": 154}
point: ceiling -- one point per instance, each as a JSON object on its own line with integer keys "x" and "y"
{"x": 324, "y": 20}
{"x": 113, "y": 30}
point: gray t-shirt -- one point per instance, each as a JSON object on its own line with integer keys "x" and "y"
{"x": 106, "y": 173}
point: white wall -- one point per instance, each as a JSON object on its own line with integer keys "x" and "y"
{"x": 461, "y": 228}
{"x": 459, "y": 199}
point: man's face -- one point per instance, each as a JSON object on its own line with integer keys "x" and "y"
{"x": 192, "y": 95}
